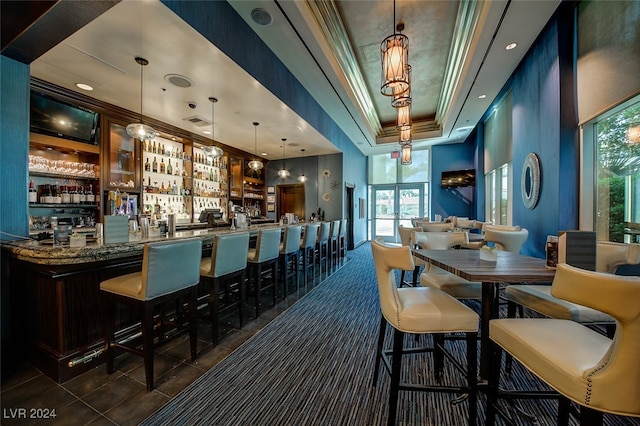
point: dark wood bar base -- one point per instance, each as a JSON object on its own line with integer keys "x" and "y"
{"x": 55, "y": 313}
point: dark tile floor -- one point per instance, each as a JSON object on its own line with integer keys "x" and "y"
{"x": 96, "y": 398}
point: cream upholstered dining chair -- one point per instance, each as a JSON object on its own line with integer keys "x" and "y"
{"x": 420, "y": 310}
{"x": 170, "y": 271}
{"x": 598, "y": 373}
{"x": 406, "y": 239}
{"x": 437, "y": 226}
{"x": 538, "y": 297}
{"x": 436, "y": 277}
{"x": 507, "y": 240}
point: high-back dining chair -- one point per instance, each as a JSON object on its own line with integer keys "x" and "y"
{"x": 437, "y": 226}
{"x": 170, "y": 271}
{"x": 406, "y": 239}
{"x": 609, "y": 256}
{"x": 600, "y": 374}
{"x": 290, "y": 255}
{"x": 420, "y": 310}
{"x": 224, "y": 272}
{"x": 436, "y": 277}
{"x": 507, "y": 240}
{"x": 262, "y": 258}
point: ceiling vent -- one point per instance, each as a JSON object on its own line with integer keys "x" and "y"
{"x": 178, "y": 80}
{"x": 198, "y": 121}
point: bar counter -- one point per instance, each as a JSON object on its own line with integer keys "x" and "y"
{"x": 54, "y": 297}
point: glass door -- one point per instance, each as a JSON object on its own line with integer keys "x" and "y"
{"x": 392, "y": 206}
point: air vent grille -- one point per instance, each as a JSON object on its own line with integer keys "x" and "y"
{"x": 198, "y": 121}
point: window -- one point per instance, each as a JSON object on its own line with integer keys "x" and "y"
{"x": 498, "y": 163}
{"x": 616, "y": 139}
{"x": 498, "y": 185}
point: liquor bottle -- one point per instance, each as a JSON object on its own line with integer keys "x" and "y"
{"x": 154, "y": 167}
{"x": 91, "y": 198}
{"x": 169, "y": 168}
{"x": 147, "y": 166}
{"x": 82, "y": 195}
{"x": 162, "y": 166}
{"x": 66, "y": 197}
{"x": 154, "y": 149}
{"x": 75, "y": 195}
{"x": 33, "y": 194}
{"x": 176, "y": 170}
{"x": 163, "y": 151}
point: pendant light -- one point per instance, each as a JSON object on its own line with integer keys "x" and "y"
{"x": 404, "y": 117}
{"x": 140, "y": 130}
{"x": 283, "y": 173}
{"x": 402, "y": 98}
{"x": 213, "y": 151}
{"x": 405, "y": 135}
{"x": 256, "y": 164}
{"x": 405, "y": 154}
{"x": 302, "y": 177}
{"x": 394, "y": 51}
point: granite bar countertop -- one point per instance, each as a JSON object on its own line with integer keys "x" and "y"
{"x": 44, "y": 253}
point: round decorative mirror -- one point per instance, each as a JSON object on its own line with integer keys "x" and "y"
{"x": 530, "y": 182}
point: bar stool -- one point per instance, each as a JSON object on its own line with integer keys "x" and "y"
{"x": 406, "y": 239}
{"x": 322, "y": 246}
{"x": 598, "y": 373}
{"x": 343, "y": 238}
{"x": 290, "y": 255}
{"x": 226, "y": 267}
{"x": 420, "y": 310}
{"x": 308, "y": 247}
{"x": 262, "y": 258}
{"x": 169, "y": 272}
{"x": 334, "y": 243}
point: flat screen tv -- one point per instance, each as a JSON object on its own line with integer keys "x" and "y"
{"x": 458, "y": 178}
{"x": 55, "y": 118}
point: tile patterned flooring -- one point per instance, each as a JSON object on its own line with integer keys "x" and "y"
{"x": 96, "y": 398}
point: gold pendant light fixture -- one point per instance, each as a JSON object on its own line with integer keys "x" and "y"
{"x": 213, "y": 151}
{"x": 396, "y": 82}
{"x": 255, "y": 164}
{"x": 140, "y": 130}
{"x": 302, "y": 177}
{"x": 405, "y": 154}
{"x": 283, "y": 173}
{"x": 394, "y": 52}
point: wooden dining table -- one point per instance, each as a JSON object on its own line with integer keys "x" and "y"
{"x": 507, "y": 268}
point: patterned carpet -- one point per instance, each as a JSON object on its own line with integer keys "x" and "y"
{"x": 313, "y": 365}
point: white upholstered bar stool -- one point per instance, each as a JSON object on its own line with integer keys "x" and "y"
{"x": 343, "y": 238}
{"x": 334, "y": 243}
{"x": 597, "y": 373}
{"x": 264, "y": 257}
{"x": 609, "y": 256}
{"x": 170, "y": 271}
{"x": 322, "y": 246}
{"x": 225, "y": 273}
{"x": 420, "y": 310}
{"x": 308, "y": 248}
{"x": 406, "y": 239}
{"x": 435, "y": 277}
{"x": 290, "y": 255}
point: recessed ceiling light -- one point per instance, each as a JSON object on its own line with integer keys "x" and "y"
{"x": 482, "y": 96}
{"x": 263, "y": 153}
{"x": 84, "y": 86}
{"x": 206, "y": 132}
{"x": 511, "y": 46}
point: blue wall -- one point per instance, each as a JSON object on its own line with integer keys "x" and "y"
{"x": 453, "y": 201}
{"x": 221, "y": 25}
{"x": 544, "y": 122}
{"x": 14, "y": 148}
